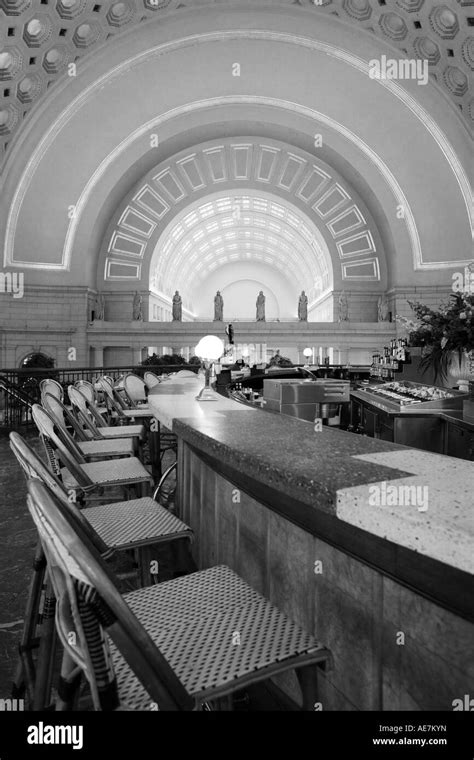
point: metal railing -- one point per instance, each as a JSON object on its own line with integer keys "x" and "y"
{"x": 19, "y": 388}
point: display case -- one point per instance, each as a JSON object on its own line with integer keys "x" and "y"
{"x": 405, "y": 412}
{"x": 406, "y": 397}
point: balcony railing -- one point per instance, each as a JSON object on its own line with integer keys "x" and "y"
{"x": 19, "y": 388}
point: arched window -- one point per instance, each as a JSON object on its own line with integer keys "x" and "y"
{"x": 37, "y": 359}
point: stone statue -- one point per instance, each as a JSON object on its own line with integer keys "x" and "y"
{"x": 100, "y": 307}
{"x": 303, "y": 307}
{"x": 343, "y": 308}
{"x": 137, "y": 307}
{"x": 177, "y": 307}
{"x": 382, "y": 308}
{"x": 218, "y": 307}
{"x": 260, "y": 307}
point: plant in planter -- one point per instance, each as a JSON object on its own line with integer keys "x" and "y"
{"x": 280, "y": 361}
{"x": 447, "y": 334}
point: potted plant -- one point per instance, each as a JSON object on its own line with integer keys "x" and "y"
{"x": 446, "y": 335}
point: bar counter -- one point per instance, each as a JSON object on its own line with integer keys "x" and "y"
{"x": 389, "y": 589}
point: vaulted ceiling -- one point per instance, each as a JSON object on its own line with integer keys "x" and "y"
{"x": 224, "y": 230}
{"x": 40, "y": 39}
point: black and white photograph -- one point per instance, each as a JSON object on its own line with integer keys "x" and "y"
{"x": 237, "y": 376}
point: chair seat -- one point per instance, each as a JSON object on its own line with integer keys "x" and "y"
{"x": 128, "y": 431}
{"x": 128, "y": 524}
{"x": 113, "y": 472}
{"x": 120, "y": 447}
{"x": 194, "y": 619}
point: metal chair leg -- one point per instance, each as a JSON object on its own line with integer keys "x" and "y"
{"x": 308, "y": 681}
{"x": 25, "y": 676}
{"x": 46, "y": 652}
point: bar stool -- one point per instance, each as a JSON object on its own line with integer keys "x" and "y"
{"x": 51, "y": 386}
{"x": 166, "y": 647}
{"x": 139, "y": 525}
{"x": 83, "y": 477}
{"x": 151, "y": 380}
{"x": 93, "y": 423}
{"x": 102, "y": 449}
{"x": 135, "y": 390}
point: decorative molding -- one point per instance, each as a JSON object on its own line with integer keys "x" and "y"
{"x": 53, "y": 35}
{"x": 363, "y": 66}
{"x": 270, "y": 227}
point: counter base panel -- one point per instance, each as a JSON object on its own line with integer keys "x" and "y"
{"x": 393, "y": 649}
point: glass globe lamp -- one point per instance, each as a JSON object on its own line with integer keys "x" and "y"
{"x": 209, "y": 350}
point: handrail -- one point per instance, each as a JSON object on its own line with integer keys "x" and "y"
{"x": 19, "y": 411}
{"x": 14, "y": 390}
{"x": 137, "y": 368}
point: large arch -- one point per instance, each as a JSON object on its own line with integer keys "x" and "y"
{"x": 312, "y": 204}
{"x": 323, "y": 58}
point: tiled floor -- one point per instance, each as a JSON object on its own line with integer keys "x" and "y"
{"x": 17, "y": 545}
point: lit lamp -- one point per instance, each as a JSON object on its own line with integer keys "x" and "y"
{"x": 307, "y": 353}
{"x": 245, "y": 355}
{"x": 209, "y": 350}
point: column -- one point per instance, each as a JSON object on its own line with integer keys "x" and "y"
{"x": 98, "y": 356}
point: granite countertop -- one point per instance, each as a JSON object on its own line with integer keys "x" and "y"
{"x": 335, "y": 472}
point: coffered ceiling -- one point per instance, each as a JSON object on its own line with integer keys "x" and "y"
{"x": 39, "y": 39}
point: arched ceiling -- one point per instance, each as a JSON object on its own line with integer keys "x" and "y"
{"x": 226, "y": 229}
{"x": 39, "y": 39}
{"x": 241, "y": 198}
{"x": 113, "y": 156}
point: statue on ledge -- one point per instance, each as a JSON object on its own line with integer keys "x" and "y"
{"x": 100, "y": 307}
{"x": 218, "y": 307}
{"x": 260, "y": 307}
{"x": 382, "y": 308}
{"x": 343, "y": 308}
{"x": 177, "y": 307}
{"x": 303, "y": 307}
{"x": 137, "y": 307}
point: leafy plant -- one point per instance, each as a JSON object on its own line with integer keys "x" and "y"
{"x": 442, "y": 332}
{"x": 280, "y": 361}
{"x": 156, "y": 361}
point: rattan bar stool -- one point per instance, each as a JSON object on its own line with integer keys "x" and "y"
{"x": 139, "y": 525}
{"x": 102, "y": 449}
{"x": 86, "y": 477}
{"x": 87, "y": 388}
{"x": 95, "y": 425}
{"x": 116, "y": 404}
{"x": 135, "y": 390}
{"x": 173, "y": 646}
{"x": 52, "y": 386}
{"x": 151, "y": 380}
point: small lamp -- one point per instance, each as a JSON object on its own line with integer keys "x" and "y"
{"x": 307, "y": 353}
{"x": 245, "y": 355}
{"x": 209, "y": 349}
